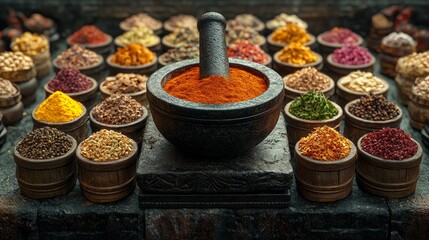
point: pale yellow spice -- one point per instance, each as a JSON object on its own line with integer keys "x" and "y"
{"x": 58, "y": 107}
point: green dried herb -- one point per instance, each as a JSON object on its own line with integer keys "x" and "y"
{"x": 313, "y": 106}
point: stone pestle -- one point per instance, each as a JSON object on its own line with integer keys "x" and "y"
{"x": 213, "y": 55}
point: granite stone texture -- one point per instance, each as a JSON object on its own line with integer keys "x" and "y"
{"x": 164, "y": 169}
{"x": 171, "y": 179}
{"x": 359, "y": 216}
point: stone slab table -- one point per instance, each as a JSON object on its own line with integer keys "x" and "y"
{"x": 359, "y": 216}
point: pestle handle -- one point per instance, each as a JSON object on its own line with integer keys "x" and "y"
{"x": 213, "y": 56}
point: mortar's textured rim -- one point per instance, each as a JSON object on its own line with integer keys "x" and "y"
{"x": 260, "y": 104}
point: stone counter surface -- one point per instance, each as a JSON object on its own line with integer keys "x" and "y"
{"x": 359, "y": 216}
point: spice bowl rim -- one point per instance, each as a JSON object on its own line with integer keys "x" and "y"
{"x": 47, "y": 160}
{"x": 277, "y": 44}
{"x": 158, "y": 41}
{"x": 385, "y": 88}
{"x": 92, "y": 88}
{"x": 147, "y": 65}
{"x": 352, "y": 155}
{"x": 275, "y": 90}
{"x": 81, "y": 158}
{"x": 312, "y": 64}
{"x": 103, "y": 90}
{"x": 89, "y": 45}
{"x": 116, "y": 126}
{"x": 417, "y": 155}
{"x": 99, "y": 63}
{"x": 329, "y": 88}
{"x": 354, "y": 67}
{"x": 348, "y": 113}
{"x": 334, "y": 118}
{"x": 126, "y": 29}
{"x": 414, "y": 95}
{"x": 84, "y": 113}
{"x": 337, "y": 45}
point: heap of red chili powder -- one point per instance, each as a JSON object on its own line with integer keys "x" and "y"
{"x": 389, "y": 144}
{"x": 216, "y": 89}
{"x": 88, "y": 34}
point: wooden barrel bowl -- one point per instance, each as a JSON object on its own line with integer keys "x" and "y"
{"x": 389, "y": 57}
{"x": 104, "y": 49}
{"x": 46, "y": 178}
{"x": 95, "y": 71}
{"x": 345, "y": 95}
{"x": 19, "y": 75}
{"x": 76, "y": 128}
{"x": 356, "y": 127}
{"x": 403, "y": 86}
{"x": 8, "y": 101}
{"x": 140, "y": 96}
{"x": 12, "y": 114}
{"x": 388, "y": 64}
{"x": 298, "y": 128}
{"x": 274, "y": 47}
{"x": 336, "y": 70}
{"x": 291, "y": 94}
{"x": 133, "y": 130}
{"x": 41, "y": 61}
{"x": 12, "y": 107}
{"x": 28, "y": 91}
{"x": 418, "y": 109}
{"x": 86, "y": 97}
{"x": 104, "y": 182}
{"x": 42, "y": 64}
{"x": 321, "y": 181}
{"x": 284, "y": 69}
{"x": 387, "y": 178}
{"x": 145, "y": 69}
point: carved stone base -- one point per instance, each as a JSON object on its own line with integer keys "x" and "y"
{"x": 168, "y": 178}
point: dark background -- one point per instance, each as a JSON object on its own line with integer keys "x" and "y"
{"x": 320, "y": 14}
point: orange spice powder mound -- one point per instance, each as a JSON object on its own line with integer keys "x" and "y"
{"x": 216, "y": 89}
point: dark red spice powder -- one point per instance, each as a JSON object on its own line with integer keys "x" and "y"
{"x": 88, "y": 34}
{"x": 389, "y": 144}
{"x": 69, "y": 80}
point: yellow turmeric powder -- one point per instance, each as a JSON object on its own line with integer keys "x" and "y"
{"x": 58, "y": 107}
{"x": 133, "y": 55}
{"x": 298, "y": 54}
{"x": 290, "y": 33}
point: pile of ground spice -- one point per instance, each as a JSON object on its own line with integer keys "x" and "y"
{"x": 118, "y": 109}
{"x": 324, "y": 144}
{"x": 69, "y": 80}
{"x": 241, "y": 86}
{"x": 88, "y": 34}
{"x": 374, "y": 108}
{"x": 389, "y": 144}
{"x": 44, "y": 143}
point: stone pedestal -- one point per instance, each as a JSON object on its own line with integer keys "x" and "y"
{"x": 169, "y": 178}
